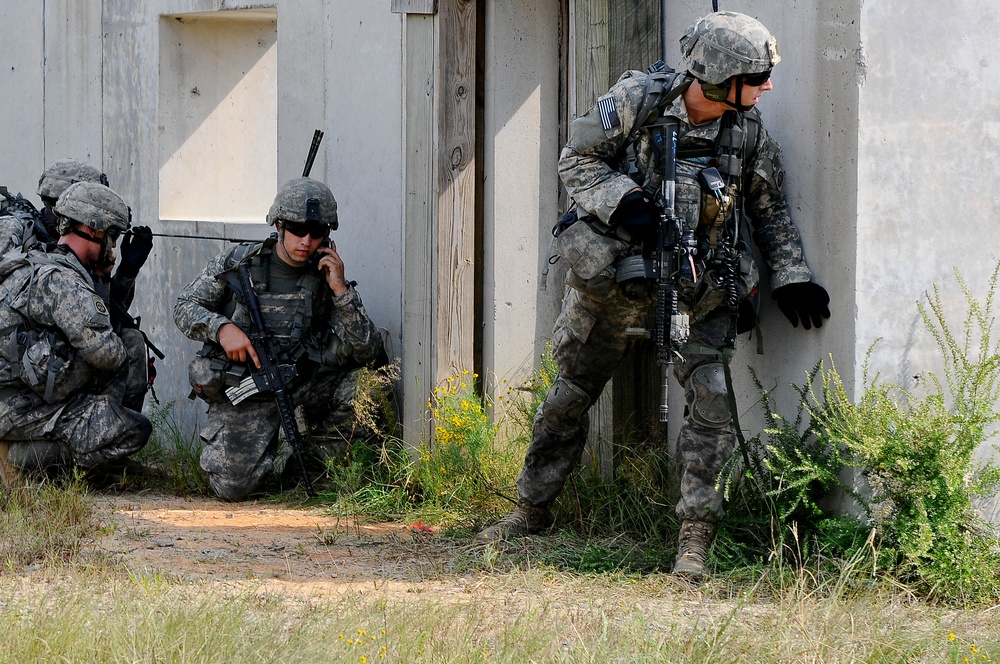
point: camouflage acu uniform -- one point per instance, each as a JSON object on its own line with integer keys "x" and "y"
{"x": 589, "y": 336}
{"x": 328, "y": 337}
{"x": 65, "y": 376}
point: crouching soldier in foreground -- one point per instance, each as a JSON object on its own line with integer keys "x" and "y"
{"x": 317, "y": 324}
{"x": 71, "y": 390}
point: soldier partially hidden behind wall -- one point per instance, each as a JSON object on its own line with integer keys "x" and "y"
{"x": 71, "y": 389}
{"x": 320, "y": 326}
{"x": 612, "y": 170}
{"x": 24, "y": 225}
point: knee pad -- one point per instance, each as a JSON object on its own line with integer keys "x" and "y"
{"x": 708, "y": 396}
{"x": 564, "y": 406}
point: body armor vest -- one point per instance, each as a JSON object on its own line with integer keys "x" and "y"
{"x": 288, "y": 316}
{"x": 698, "y": 209}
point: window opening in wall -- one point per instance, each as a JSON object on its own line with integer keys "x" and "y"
{"x": 218, "y": 119}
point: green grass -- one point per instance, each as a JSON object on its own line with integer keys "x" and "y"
{"x": 915, "y": 580}
{"x": 534, "y": 615}
{"x": 43, "y": 522}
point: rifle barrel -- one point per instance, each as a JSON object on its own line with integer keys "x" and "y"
{"x": 202, "y": 237}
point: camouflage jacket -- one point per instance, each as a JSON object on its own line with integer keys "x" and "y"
{"x": 50, "y": 290}
{"x": 19, "y": 227}
{"x": 339, "y": 329}
{"x": 592, "y": 168}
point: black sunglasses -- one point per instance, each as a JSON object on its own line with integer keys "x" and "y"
{"x": 757, "y": 79}
{"x": 315, "y": 231}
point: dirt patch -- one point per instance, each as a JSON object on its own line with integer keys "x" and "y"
{"x": 198, "y": 538}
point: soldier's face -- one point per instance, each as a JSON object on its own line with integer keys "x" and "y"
{"x": 751, "y": 93}
{"x": 102, "y": 254}
{"x": 298, "y": 250}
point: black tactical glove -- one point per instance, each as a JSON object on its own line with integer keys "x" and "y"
{"x": 805, "y": 301}
{"x": 134, "y": 251}
{"x": 636, "y": 216}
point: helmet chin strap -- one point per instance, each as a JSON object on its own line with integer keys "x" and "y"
{"x": 720, "y": 93}
{"x": 738, "y": 104}
{"x": 104, "y": 259}
{"x": 281, "y": 239}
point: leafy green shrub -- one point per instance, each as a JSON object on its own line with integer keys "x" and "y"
{"x": 775, "y": 485}
{"x": 917, "y": 453}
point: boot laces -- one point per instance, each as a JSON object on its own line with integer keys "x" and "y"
{"x": 694, "y": 539}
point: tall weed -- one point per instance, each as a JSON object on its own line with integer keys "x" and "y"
{"x": 172, "y": 456}
{"x": 775, "y": 486}
{"x": 917, "y": 453}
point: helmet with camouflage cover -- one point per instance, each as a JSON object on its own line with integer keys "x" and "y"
{"x": 726, "y": 44}
{"x": 93, "y": 205}
{"x": 302, "y": 200}
{"x": 58, "y": 176}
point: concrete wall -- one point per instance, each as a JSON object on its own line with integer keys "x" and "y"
{"x": 929, "y": 133}
{"x": 884, "y": 111}
{"x": 521, "y": 186}
{"x": 363, "y": 145}
{"x": 198, "y": 110}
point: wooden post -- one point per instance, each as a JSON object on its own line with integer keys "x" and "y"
{"x": 440, "y": 207}
{"x": 455, "y": 288}
{"x": 418, "y": 216}
{"x": 635, "y": 44}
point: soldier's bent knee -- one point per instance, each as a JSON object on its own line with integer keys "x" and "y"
{"x": 563, "y": 407}
{"x": 709, "y": 397}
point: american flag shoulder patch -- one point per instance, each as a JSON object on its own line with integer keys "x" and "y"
{"x": 609, "y": 116}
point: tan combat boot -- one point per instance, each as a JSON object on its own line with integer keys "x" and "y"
{"x": 526, "y": 519}
{"x": 692, "y": 548}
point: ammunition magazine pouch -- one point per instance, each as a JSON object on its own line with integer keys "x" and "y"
{"x": 710, "y": 291}
{"x": 589, "y": 253}
{"x": 210, "y": 375}
{"x": 47, "y": 366}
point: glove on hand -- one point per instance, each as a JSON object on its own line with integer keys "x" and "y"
{"x": 807, "y": 301}
{"x": 636, "y": 215}
{"x": 134, "y": 250}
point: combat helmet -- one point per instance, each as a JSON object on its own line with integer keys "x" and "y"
{"x": 721, "y": 45}
{"x": 93, "y": 205}
{"x": 304, "y": 200}
{"x": 59, "y": 175}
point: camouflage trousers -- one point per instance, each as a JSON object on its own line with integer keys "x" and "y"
{"x": 241, "y": 442}
{"x": 85, "y": 430}
{"x": 588, "y": 342}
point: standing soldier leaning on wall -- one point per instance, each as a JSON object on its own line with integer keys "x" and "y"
{"x": 71, "y": 389}
{"x": 318, "y": 323}
{"x": 611, "y": 168}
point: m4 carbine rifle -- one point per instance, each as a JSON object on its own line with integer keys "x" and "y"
{"x": 272, "y": 376}
{"x": 673, "y": 259}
